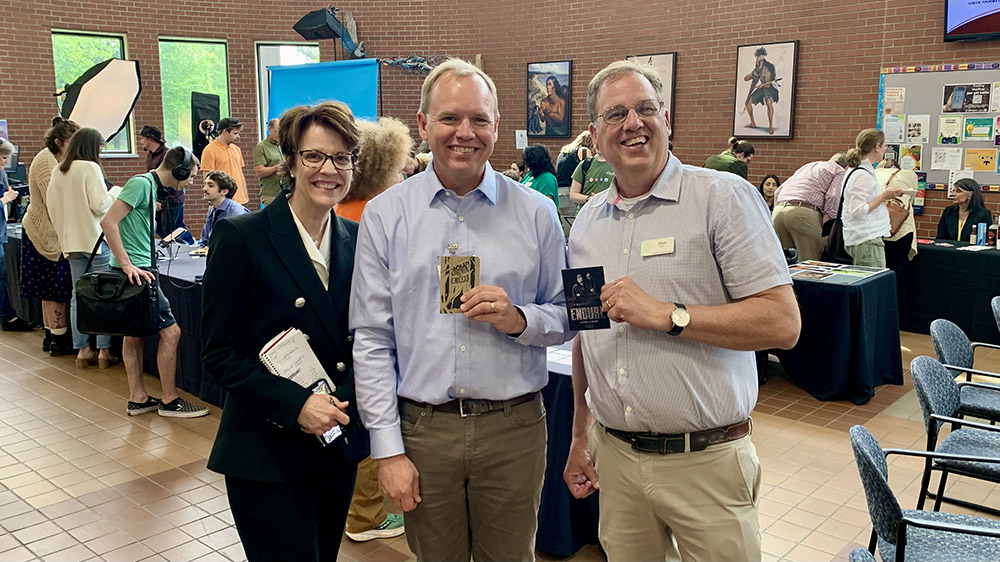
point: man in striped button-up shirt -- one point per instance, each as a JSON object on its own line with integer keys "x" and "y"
{"x": 672, "y": 387}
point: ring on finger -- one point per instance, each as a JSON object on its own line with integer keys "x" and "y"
{"x": 493, "y": 307}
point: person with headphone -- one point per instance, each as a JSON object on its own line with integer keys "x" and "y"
{"x": 127, "y": 227}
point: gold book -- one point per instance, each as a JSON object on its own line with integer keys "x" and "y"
{"x": 458, "y": 275}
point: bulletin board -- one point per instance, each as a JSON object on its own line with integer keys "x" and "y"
{"x": 943, "y": 120}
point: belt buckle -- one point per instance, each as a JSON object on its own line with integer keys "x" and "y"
{"x": 462, "y": 412}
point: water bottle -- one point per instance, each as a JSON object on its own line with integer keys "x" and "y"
{"x": 973, "y": 236}
{"x": 981, "y": 236}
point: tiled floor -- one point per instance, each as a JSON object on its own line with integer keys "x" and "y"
{"x": 79, "y": 480}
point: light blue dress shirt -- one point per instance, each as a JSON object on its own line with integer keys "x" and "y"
{"x": 228, "y": 208}
{"x": 403, "y": 345}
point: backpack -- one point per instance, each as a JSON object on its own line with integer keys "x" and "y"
{"x": 566, "y": 163}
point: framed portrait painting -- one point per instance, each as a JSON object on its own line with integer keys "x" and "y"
{"x": 765, "y": 90}
{"x": 549, "y": 98}
{"x": 666, "y": 65}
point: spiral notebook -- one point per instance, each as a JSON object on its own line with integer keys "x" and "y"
{"x": 289, "y": 356}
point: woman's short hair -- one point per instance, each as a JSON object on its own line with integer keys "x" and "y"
{"x": 62, "y": 129}
{"x": 333, "y": 115}
{"x": 737, "y": 146}
{"x": 224, "y": 181}
{"x": 85, "y": 144}
{"x": 538, "y": 160}
{"x": 976, "y": 194}
{"x": 385, "y": 148}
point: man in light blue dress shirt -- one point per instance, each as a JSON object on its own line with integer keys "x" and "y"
{"x": 219, "y": 190}
{"x": 451, "y": 400}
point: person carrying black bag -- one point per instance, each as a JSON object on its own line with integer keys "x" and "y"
{"x": 128, "y": 226}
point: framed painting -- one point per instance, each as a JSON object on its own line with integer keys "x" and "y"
{"x": 549, "y": 98}
{"x": 666, "y": 65}
{"x": 764, "y": 106}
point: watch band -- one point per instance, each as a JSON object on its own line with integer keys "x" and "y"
{"x": 676, "y": 330}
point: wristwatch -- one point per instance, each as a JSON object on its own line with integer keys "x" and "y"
{"x": 680, "y": 318}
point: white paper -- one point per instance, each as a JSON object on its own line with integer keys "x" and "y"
{"x": 918, "y": 129}
{"x": 995, "y": 98}
{"x": 892, "y": 102}
{"x": 946, "y": 158}
{"x": 521, "y": 139}
{"x": 288, "y": 355}
{"x": 955, "y": 175}
{"x": 950, "y": 126}
{"x": 892, "y": 126}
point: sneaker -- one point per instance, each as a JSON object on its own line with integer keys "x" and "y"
{"x": 181, "y": 408}
{"x": 391, "y": 527}
{"x": 16, "y": 325}
{"x": 136, "y": 408}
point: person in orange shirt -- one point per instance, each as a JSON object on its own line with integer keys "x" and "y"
{"x": 384, "y": 150}
{"x": 223, "y": 155}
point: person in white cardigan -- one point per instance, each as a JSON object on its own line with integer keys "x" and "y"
{"x": 78, "y": 199}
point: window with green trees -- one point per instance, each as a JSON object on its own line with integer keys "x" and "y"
{"x": 190, "y": 65}
{"x": 278, "y": 54}
{"x": 73, "y": 53}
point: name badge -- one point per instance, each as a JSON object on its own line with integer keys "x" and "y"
{"x": 657, "y": 247}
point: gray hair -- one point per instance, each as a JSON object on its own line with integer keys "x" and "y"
{"x": 618, "y": 69}
{"x": 457, "y": 68}
{"x": 6, "y": 147}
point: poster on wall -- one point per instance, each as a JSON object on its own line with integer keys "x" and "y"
{"x": 966, "y": 98}
{"x": 918, "y": 129}
{"x": 909, "y": 157}
{"x": 954, "y": 176}
{"x": 996, "y": 132}
{"x": 549, "y": 98}
{"x": 978, "y": 129}
{"x": 946, "y": 158}
{"x": 765, "y": 90}
{"x": 981, "y": 159}
{"x": 893, "y": 101}
{"x": 950, "y": 129}
{"x": 891, "y": 152}
{"x": 3, "y": 129}
{"x": 666, "y": 65}
{"x": 893, "y": 125}
{"x": 918, "y": 199}
{"x": 995, "y": 98}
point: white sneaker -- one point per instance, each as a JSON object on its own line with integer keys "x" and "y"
{"x": 391, "y": 527}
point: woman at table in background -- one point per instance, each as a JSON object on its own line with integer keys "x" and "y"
{"x": 967, "y": 211}
{"x": 900, "y": 248}
{"x": 735, "y": 159}
{"x": 865, "y": 216}
{"x": 767, "y": 188}
{"x": 289, "y": 264}
{"x": 45, "y": 273}
{"x": 78, "y": 199}
{"x": 11, "y": 323}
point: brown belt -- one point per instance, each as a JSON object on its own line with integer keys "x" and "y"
{"x": 663, "y": 443}
{"x": 474, "y": 406}
{"x": 800, "y": 204}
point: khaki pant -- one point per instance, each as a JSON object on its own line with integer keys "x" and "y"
{"x": 480, "y": 482}
{"x": 869, "y": 254}
{"x": 680, "y": 506}
{"x": 800, "y": 228}
{"x": 367, "y": 505}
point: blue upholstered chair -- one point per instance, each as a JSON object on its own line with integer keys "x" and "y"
{"x": 956, "y": 352}
{"x": 940, "y": 401}
{"x": 861, "y": 555}
{"x": 906, "y": 534}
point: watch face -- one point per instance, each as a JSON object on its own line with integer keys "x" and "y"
{"x": 680, "y": 317}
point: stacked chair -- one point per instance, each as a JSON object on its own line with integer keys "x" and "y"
{"x": 957, "y": 353}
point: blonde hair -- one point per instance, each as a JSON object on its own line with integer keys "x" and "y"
{"x": 866, "y": 142}
{"x": 385, "y": 147}
{"x": 581, "y": 140}
{"x": 616, "y": 70}
{"x": 457, "y": 68}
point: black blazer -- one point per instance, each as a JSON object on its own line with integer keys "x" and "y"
{"x": 948, "y": 225}
{"x": 257, "y": 271}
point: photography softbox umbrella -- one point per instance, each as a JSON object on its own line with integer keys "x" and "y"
{"x": 103, "y": 96}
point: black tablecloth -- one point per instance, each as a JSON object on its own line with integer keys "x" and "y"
{"x": 956, "y": 285}
{"x": 850, "y": 339}
{"x": 29, "y": 310}
{"x": 177, "y": 279}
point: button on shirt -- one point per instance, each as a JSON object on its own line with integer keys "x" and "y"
{"x": 403, "y": 345}
{"x": 724, "y": 250}
{"x": 859, "y": 224}
{"x": 816, "y": 183}
{"x": 228, "y": 208}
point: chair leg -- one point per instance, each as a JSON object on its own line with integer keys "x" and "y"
{"x": 940, "y": 492}
{"x": 925, "y": 482}
{"x": 900, "y": 541}
{"x": 872, "y": 542}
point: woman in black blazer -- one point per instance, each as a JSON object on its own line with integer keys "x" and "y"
{"x": 288, "y": 265}
{"x": 968, "y": 208}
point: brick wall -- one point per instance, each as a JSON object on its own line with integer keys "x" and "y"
{"x": 842, "y": 47}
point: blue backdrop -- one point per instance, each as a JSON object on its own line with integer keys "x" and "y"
{"x": 354, "y": 82}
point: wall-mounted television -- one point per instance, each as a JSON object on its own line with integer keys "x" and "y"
{"x": 971, "y": 20}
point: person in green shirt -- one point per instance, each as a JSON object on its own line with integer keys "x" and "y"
{"x": 267, "y": 158}
{"x": 735, "y": 160}
{"x": 592, "y": 176}
{"x": 541, "y": 174}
